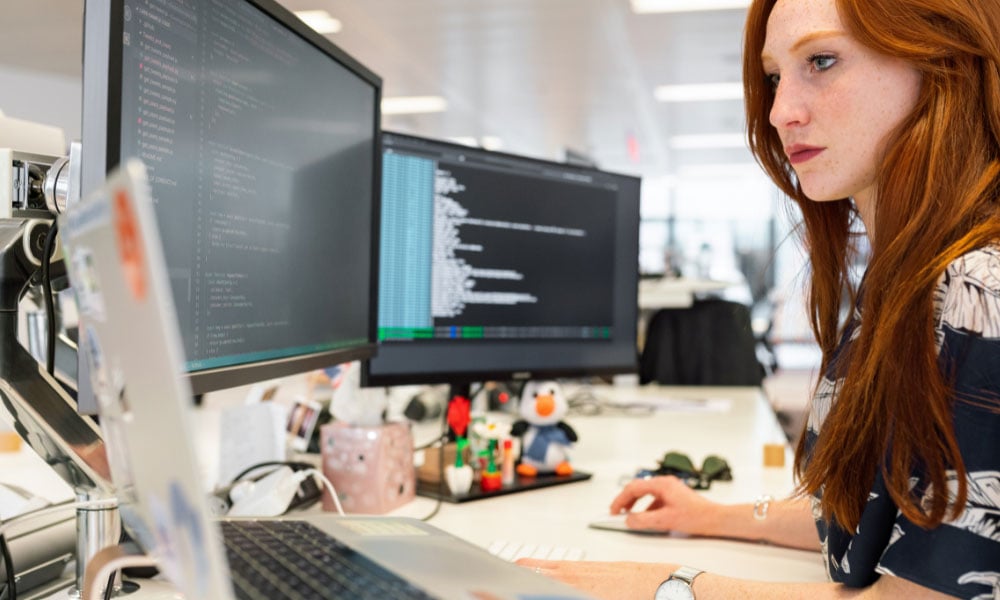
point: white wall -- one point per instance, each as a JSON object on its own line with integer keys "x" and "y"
{"x": 42, "y": 98}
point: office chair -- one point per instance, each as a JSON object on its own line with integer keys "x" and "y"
{"x": 709, "y": 343}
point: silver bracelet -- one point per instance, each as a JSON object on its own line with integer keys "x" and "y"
{"x": 760, "y": 506}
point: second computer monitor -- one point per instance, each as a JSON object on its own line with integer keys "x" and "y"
{"x": 261, "y": 140}
{"x": 495, "y": 266}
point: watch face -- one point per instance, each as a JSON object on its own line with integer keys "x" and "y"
{"x": 674, "y": 589}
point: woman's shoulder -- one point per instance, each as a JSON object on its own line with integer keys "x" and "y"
{"x": 967, "y": 297}
{"x": 983, "y": 264}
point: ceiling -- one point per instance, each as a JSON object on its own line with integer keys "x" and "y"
{"x": 543, "y": 76}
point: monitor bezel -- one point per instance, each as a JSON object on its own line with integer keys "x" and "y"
{"x": 445, "y": 376}
{"x": 101, "y": 133}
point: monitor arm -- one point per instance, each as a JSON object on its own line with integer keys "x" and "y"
{"x": 44, "y": 415}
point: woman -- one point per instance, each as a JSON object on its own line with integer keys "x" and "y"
{"x": 887, "y": 111}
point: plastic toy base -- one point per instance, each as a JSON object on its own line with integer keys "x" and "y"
{"x": 520, "y": 484}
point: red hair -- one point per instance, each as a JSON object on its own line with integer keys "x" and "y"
{"x": 937, "y": 198}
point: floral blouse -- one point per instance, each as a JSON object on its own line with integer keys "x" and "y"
{"x": 960, "y": 557}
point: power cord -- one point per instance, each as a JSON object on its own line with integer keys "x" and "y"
{"x": 50, "y": 310}
{"x": 297, "y": 465}
{"x": 326, "y": 483}
{"x": 588, "y": 403}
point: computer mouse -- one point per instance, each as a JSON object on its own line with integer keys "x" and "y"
{"x": 617, "y": 523}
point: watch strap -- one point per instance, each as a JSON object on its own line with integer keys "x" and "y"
{"x": 686, "y": 574}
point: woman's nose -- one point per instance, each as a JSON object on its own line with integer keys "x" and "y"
{"x": 788, "y": 109}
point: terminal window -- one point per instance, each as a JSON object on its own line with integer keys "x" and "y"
{"x": 259, "y": 149}
{"x": 484, "y": 248}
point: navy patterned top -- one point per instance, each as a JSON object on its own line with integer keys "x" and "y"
{"x": 959, "y": 557}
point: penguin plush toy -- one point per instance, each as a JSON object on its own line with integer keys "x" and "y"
{"x": 545, "y": 438}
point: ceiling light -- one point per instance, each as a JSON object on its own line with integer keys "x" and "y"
{"x": 407, "y": 105}
{"x": 319, "y": 20}
{"x": 708, "y": 140}
{"x": 661, "y": 6}
{"x": 699, "y": 92}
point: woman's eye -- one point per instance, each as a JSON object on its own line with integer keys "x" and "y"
{"x": 822, "y": 62}
{"x": 774, "y": 79}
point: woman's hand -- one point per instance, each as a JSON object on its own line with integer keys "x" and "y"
{"x": 675, "y": 506}
{"x": 611, "y": 580}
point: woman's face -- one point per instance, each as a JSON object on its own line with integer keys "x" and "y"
{"x": 835, "y": 100}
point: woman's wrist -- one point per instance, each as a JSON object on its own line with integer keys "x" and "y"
{"x": 737, "y": 521}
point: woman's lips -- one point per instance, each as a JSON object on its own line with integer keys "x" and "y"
{"x": 800, "y": 154}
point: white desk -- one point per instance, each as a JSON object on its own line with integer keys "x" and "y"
{"x": 674, "y": 292}
{"x": 611, "y": 446}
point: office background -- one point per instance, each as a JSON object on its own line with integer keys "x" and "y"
{"x": 620, "y": 83}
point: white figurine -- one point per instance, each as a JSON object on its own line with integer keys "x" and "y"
{"x": 545, "y": 438}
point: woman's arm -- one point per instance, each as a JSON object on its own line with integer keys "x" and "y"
{"x": 618, "y": 580}
{"x": 788, "y": 523}
{"x": 676, "y": 507}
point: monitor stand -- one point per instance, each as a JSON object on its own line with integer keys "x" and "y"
{"x": 439, "y": 490}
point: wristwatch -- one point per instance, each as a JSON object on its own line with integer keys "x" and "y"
{"x": 678, "y": 585}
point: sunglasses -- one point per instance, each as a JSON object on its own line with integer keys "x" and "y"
{"x": 713, "y": 468}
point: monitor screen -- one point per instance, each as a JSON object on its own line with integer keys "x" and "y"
{"x": 495, "y": 266}
{"x": 261, "y": 141}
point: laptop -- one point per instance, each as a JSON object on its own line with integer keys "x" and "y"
{"x": 130, "y": 333}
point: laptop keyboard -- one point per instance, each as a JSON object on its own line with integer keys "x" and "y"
{"x": 293, "y": 560}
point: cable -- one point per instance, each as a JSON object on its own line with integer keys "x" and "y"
{"x": 295, "y": 465}
{"x": 585, "y": 402}
{"x": 328, "y": 484}
{"x": 50, "y": 310}
{"x": 11, "y": 592}
{"x": 109, "y": 589}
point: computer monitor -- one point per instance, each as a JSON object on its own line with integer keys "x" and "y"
{"x": 261, "y": 141}
{"x": 502, "y": 267}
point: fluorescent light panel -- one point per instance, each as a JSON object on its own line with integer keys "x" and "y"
{"x": 699, "y": 92}
{"x": 410, "y": 105}
{"x": 320, "y": 20}
{"x": 664, "y": 6}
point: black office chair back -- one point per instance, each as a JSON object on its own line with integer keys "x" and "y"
{"x": 710, "y": 343}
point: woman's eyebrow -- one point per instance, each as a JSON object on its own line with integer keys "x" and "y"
{"x": 805, "y": 39}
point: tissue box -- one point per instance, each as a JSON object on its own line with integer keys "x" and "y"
{"x": 371, "y": 467}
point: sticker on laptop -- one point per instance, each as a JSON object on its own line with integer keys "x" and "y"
{"x": 180, "y": 541}
{"x": 129, "y": 239}
{"x": 86, "y": 286}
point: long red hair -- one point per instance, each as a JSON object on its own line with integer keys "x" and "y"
{"x": 937, "y": 198}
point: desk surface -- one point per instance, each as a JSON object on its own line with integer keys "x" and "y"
{"x": 675, "y": 292}
{"x": 612, "y": 445}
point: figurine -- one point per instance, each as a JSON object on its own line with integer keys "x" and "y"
{"x": 490, "y": 432}
{"x": 545, "y": 438}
